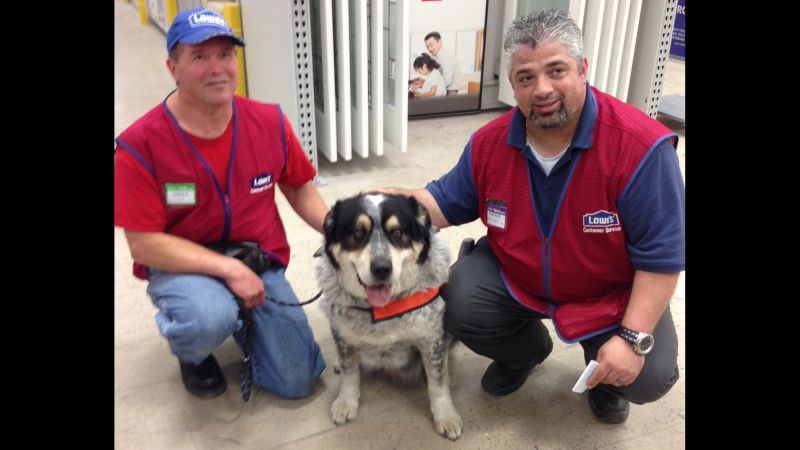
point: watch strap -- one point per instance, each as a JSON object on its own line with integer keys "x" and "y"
{"x": 628, "y": 334}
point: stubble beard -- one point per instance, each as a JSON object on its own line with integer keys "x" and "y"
{"x": 556, "y": 119}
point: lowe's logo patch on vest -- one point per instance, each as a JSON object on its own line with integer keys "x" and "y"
{"x": 260, "y": 183}
{"x": 601, "y": 222}
{"x": 206, "y": 18}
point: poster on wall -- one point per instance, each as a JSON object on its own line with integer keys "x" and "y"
{"x": 677, "y": 48}
{"x": 446, "y": 39}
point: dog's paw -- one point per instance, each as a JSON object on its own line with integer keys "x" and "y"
{"x": 449, "y": 427}
{"x": 344, "y": 410}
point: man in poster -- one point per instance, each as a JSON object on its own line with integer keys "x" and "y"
{"x": 445, "y": 58}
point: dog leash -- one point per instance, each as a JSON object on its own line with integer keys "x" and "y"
{"x": 246, "y": 316}
{"x": 317, "y": 254}
{"x": 312, "y": 299}
{"x": 245, "y": 372}
{"x": 251, "y": 255}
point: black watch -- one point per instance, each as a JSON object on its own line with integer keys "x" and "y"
{"x": 642, "y": 342}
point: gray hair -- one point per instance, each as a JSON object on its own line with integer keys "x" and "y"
{"x": 535, "y": 29}
{"x": 175, "y": 53}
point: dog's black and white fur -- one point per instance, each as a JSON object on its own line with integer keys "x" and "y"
{"x": 379, "y": 248}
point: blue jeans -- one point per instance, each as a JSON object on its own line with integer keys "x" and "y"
{"x": 197, "y": 313}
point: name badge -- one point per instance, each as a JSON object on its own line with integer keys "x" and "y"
{"x": 179, "y": 194}
{"x": 496, "y": 213}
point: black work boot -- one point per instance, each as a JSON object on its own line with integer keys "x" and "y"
{"x": 204, "y": 380}
{"x": 501, "y": 379}
{"x": 608, "y": 407}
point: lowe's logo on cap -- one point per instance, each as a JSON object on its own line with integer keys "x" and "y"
{"x": 198, "y": 25}
{"x": 601, "y": 222}
{"x": 207, "y": 17}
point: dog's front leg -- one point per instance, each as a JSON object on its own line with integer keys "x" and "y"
{"x": 445, "y": 417}
{"x": 345, "y": 406}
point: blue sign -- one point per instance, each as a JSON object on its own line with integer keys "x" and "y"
{"x": 678, "y": 46}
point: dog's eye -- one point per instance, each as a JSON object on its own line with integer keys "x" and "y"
{"x": 356, "y": 238}
{"x": 396, "y": 235}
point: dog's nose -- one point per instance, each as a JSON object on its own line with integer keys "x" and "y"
{"x": 381, "y": 269}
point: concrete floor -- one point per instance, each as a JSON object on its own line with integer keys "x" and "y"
{"x": 154, "y": 411}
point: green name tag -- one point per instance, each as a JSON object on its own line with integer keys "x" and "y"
{"x": 180, "y": 193}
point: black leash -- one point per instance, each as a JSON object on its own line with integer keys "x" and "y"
{"x": 246, "y": 316}
{"x": 316, "y": 296}
{"x": 252, "y": 256}
{"x": 246, "y": 373}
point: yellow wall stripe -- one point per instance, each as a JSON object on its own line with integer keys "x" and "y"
{"x": 233, "y": 16}
{"x": 142, "y": 11}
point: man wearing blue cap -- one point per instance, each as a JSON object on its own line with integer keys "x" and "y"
{"x": 202, "y": 167}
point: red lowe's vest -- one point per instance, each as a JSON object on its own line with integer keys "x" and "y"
{"x": 248, "y": 211}
{"x": 582, "y": 276}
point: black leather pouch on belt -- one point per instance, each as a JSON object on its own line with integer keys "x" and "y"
{"x": 247, "y": 252}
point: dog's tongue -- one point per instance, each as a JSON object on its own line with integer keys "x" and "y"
{"x": 379, "y": 295}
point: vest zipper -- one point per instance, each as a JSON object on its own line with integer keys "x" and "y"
{"x": 228, "y": 213}
{"x": 551, "y": 307}
{"x": 546, "y": 270}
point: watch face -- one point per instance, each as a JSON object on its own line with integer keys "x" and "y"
{"x": 646, "y": 344}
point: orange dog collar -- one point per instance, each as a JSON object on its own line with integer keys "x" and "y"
{"x": 403, "y": 305}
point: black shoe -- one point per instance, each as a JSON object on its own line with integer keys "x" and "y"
{"x": 204, "y": 380}
{"x": 608, "y": 407}
{"x": 500, "y": 379}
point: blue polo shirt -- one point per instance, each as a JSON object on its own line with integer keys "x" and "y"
{"x": 651, "y": 206}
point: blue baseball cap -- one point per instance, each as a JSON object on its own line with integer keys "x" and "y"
{"x": 198, "y": 25}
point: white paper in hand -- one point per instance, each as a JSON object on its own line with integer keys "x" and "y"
{"x": 580, "y": 386}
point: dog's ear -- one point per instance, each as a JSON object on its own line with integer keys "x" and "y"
{"x": 329, "y": 228}
{"x": 423, "y": 217}
{"x": 329, "y": 223}
{"x": 422, "y": 227}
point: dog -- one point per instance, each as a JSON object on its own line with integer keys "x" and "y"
{"x": 382, "y": 265}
